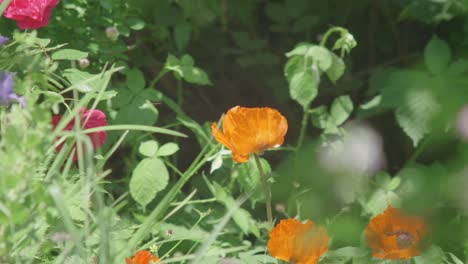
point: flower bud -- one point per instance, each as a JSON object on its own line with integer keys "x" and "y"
{"x": 112, "y": 33}
{"x": 83, "y": 63}
{"x": 462, "y": 123}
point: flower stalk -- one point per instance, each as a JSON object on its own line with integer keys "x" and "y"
{"x": 266, "y": 188}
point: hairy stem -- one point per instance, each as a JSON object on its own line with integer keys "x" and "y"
{"x": 266, "y": 188}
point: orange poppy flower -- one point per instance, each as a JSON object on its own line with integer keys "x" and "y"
{"x": 250, "y": 130}
{"x": 142, "y": 257}
{"x": 394, "y": 235}
{"x": 298, "y": 243}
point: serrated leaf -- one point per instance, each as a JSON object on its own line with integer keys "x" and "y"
{"x": 185, "y": 69}
{"x": 303, "y": 80}
{"x": 249, "y": 178}
{"x": 322, "y": 56}
{"x": 437, "y": 55}
{"x": 320, "y": 117}
{"x": 336, "y": 69}
{"x": 69, "y": 54}
{"x": 149, "y": 148}
{"x": 149, "y": 177}
{"x": 168, "y": 149}
{"x": 415, "y": 115}
{"x": 318, "y": 54}
{"x": 341, "y": 109}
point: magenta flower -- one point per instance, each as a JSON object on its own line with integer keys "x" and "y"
{"x": 7, "y": 94}
{"x": 93, "y": 118}
{"x": 30, "y": 14}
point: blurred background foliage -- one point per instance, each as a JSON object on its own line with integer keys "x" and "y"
{"x": 188, "y": 61}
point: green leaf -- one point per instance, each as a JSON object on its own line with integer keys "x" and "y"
{"x": 416, "y": 114}
{"x": 249, "y": 178}
{"x": 185, "y": 69}
{"x": 149, "y": 148}
{"x": 149, "y": 177}
{"x": 241, "y": 217}
{"x": 379, "y": 201}
{"x": 182, "y": 34}
{"x": 303, "y": 80}
{"x": 69, "y": 54}
{"x": 336, "y": 69}
{"x": 168, "y": 149}
{"x": 437, "y": 55}
{"x": 341, "y": 109}
{"x": 136, "y": 23}
{"x": 303, "y": 88}
{"x": 318, "y": 54}
{"x": 320, "y": 117}
{"x": 135, "y": 80}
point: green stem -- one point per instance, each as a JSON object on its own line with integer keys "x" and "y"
{"x": 305, "y": 119}
{"x": 266, "y": 188}
{"x": 323, "y": 42}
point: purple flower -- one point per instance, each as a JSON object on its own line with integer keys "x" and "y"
{"x": 3, "y": 40}
{"x": 7, "y": 94}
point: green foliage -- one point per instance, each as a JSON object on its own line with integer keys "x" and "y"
{"x": 400, "y": 96}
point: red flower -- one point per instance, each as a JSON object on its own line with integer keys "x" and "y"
{"x": 142, "y": 257}
{"x": 30, "y": 14}
{"x": 93, "y": 118}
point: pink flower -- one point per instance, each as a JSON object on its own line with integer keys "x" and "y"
{"x": 94, "y": 118}
{"x": 30, "y": 14}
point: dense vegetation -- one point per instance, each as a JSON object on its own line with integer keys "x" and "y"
{"x": 120, "y": 139}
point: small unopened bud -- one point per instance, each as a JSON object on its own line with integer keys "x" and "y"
{"x": 83, "y": 63}
{"x": 280, "y": 208}
{"x": 112, "y": 33}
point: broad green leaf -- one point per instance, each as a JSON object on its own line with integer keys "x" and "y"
{"x": 69, "y": 54}
{"x": 249, "y": 178}
{"x": 379, "y": 201}
{"x": 303, "y": 87}
{"x": 300, "y": 49}
{"x": 135, "y": 80}
{"x": 415, "y": 115}
{"x": 336, "y": 69}
{"x": 320, "y": 117}
{"x": 185, "y": 69}
{"x": 182, "y": 34}
{"x": 437, "y": 55}
{"x": 148, "y": 178}
{"x": 322, "y": 56}
{"x": 341, "y": 109}
{"x": 148, "y": 148}
{"x": 318, "y": 54}
{"x": 167, "y": 149}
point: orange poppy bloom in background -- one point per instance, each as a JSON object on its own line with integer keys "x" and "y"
{"x": 250, "y": 130}
{"x": 298, "y": 243}
{"x": 394, "y": 235}
{"x": 142, "y": 257}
